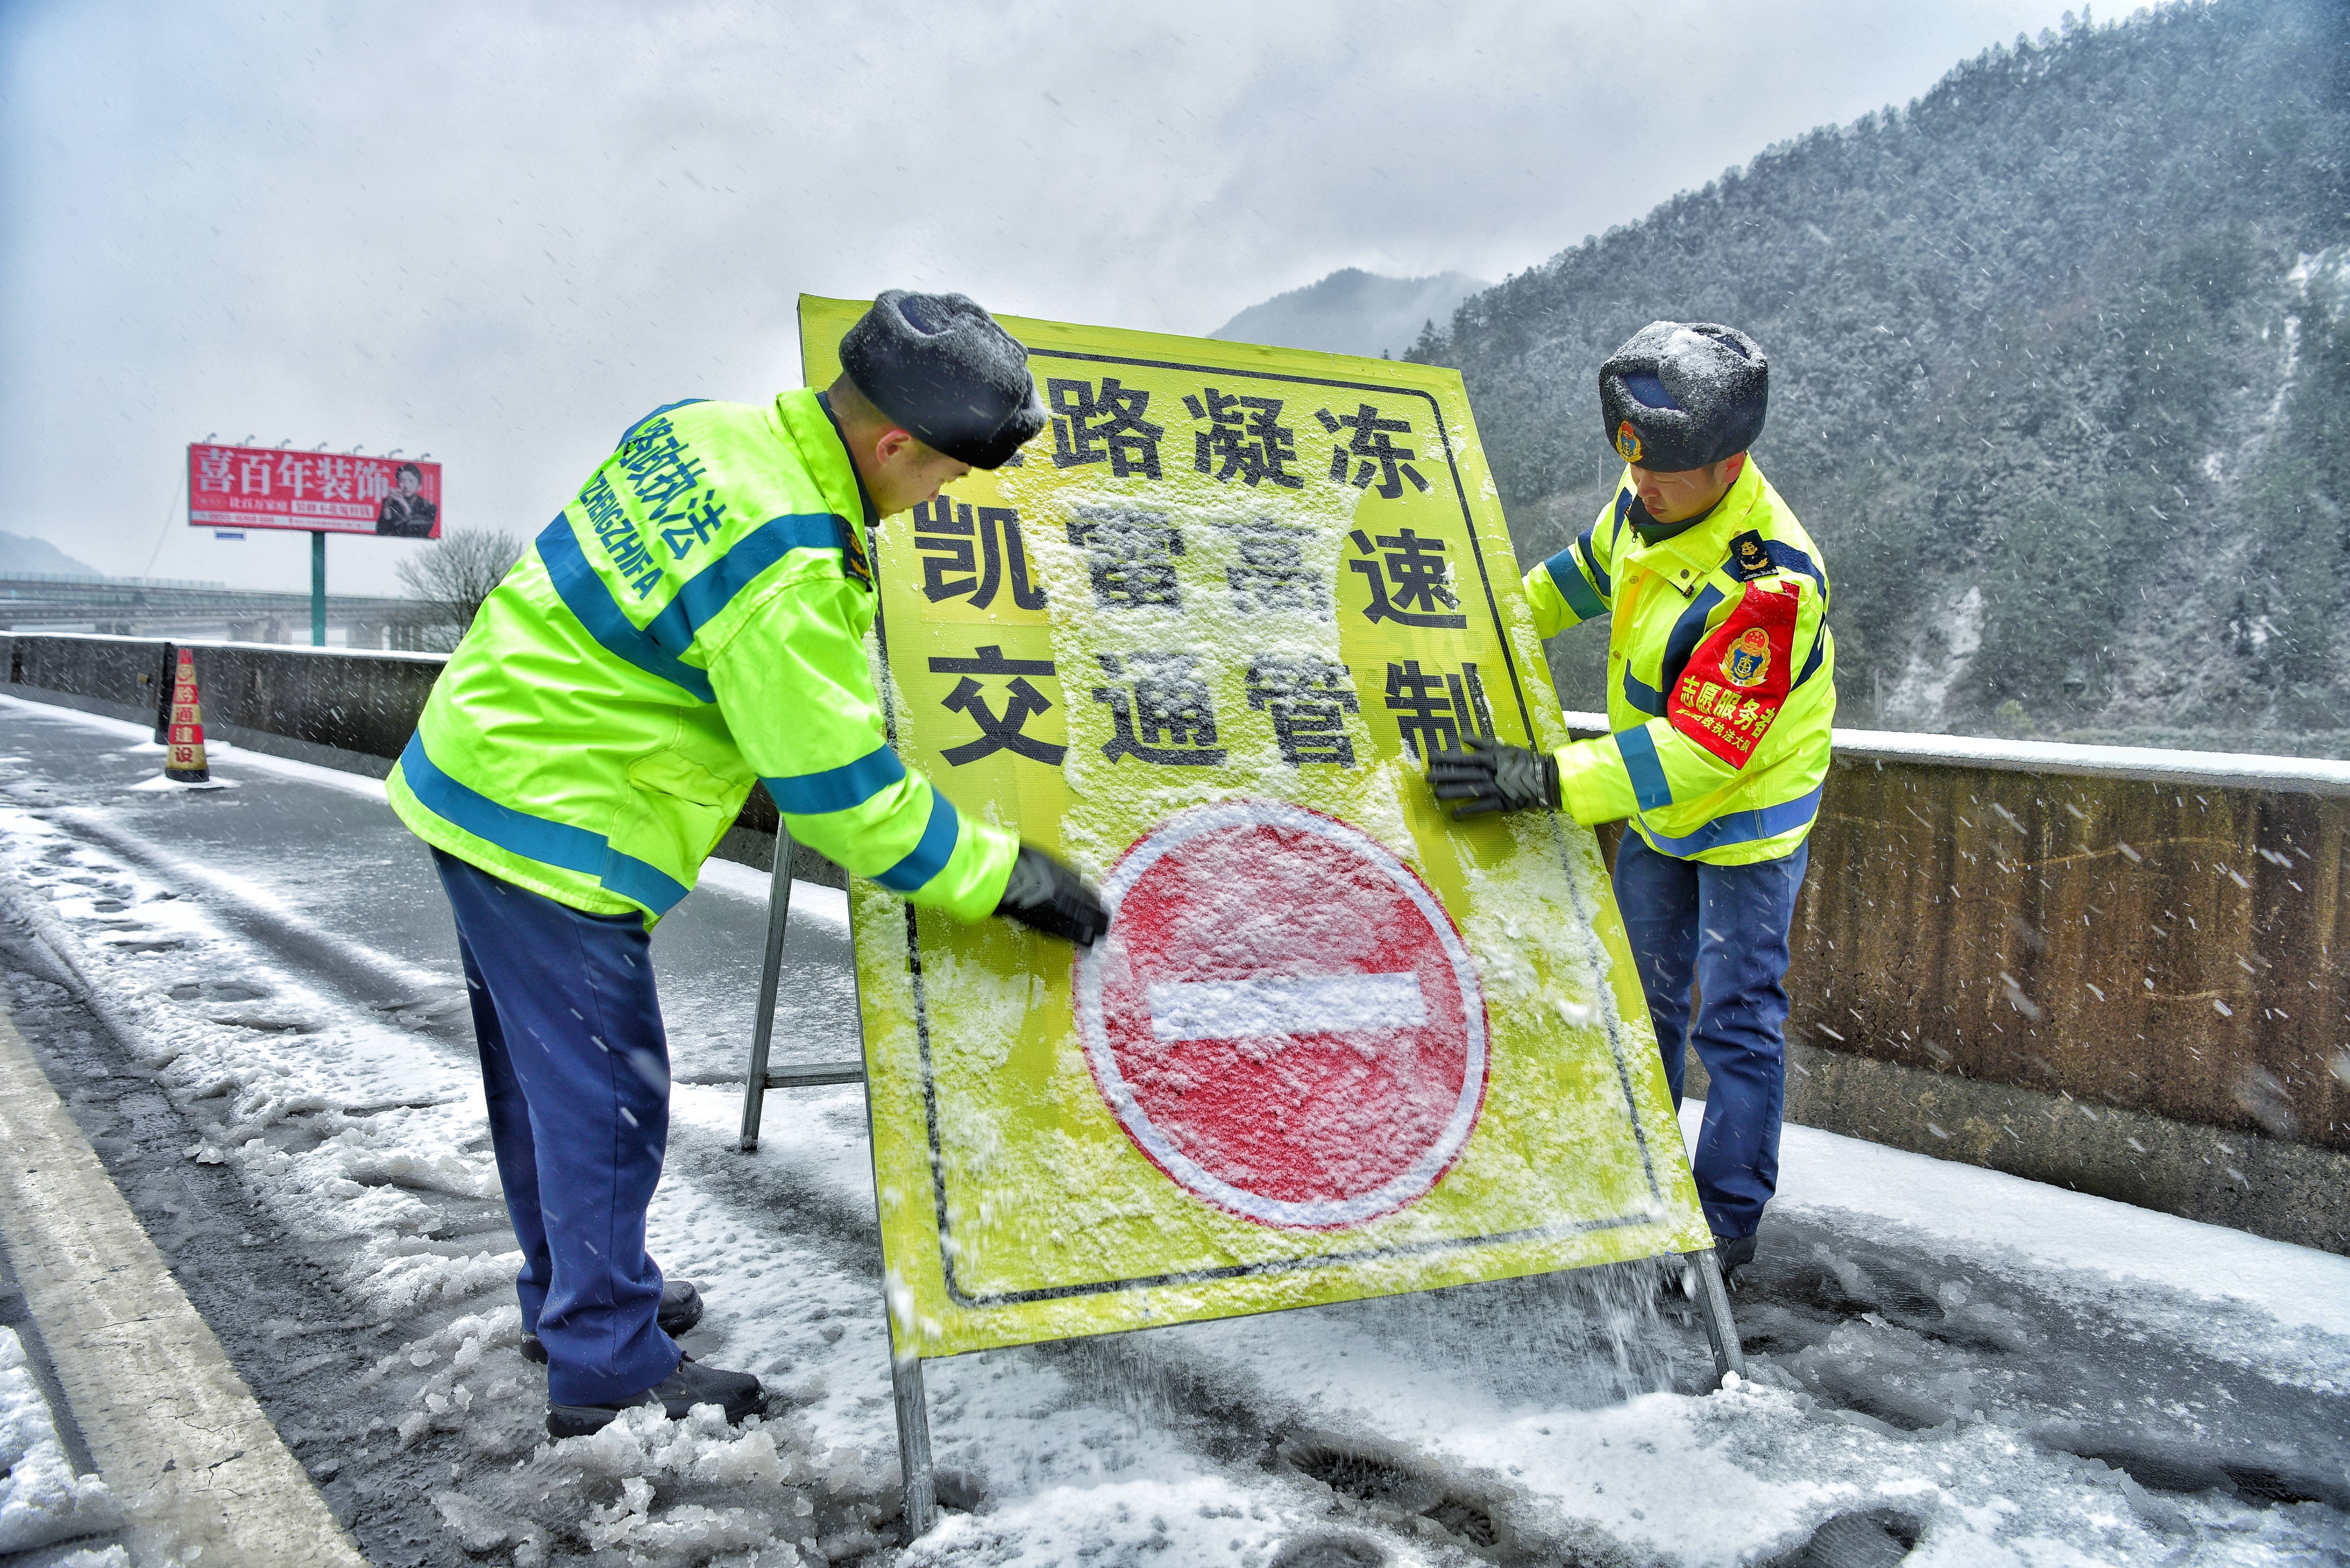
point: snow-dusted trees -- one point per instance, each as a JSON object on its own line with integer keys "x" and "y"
{"x": 453, "y": 575}
{"x": 2056, "y": 332}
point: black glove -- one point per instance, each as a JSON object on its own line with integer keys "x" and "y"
{"x": 1494, "y": 776}
{"x": 1055, "y": 901}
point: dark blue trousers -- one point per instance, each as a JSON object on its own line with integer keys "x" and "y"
{"x": 577, "y": 1067}
{"x": 1726, "y": 928}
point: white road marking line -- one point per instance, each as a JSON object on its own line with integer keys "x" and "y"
{"x": 1295, "y": 1004}
{"x": 185, "y": 1450}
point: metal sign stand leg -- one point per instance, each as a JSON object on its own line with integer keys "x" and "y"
{"x": 771, "y": 972}
{"x": 914, "y": 1446}
{"x": 1713, "y": 1306}
{"x": 801, "y": 1075}
{"x": 905, "y": 1376}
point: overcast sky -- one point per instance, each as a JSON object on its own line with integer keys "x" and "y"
{"x": 499, "y": 233}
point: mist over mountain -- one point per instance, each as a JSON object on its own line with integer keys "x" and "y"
{"x": 1352, "y": 312}
{"x": 2061, "y": 379}
{"x": 21, "y": 553}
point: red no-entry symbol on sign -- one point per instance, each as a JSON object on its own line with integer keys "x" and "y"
{"x": 1282, "y": 1016}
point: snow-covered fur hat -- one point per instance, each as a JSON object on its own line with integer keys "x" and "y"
{"x": 1681, "y": 395}
{"x": 940, "y": 366}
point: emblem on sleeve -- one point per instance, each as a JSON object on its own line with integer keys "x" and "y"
{"x": 1748, "y": 661}
{"x": 1627, "y": 442}
{"x": 1749, "y": 558}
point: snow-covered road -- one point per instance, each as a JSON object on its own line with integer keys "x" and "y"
{"x": 1989, "y": 1370}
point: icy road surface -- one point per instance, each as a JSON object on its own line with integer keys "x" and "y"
{"x": 250, "y": 996}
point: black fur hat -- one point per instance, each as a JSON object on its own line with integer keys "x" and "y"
{"x": 940, "y": 366}
{"x": 1681, "y": 395}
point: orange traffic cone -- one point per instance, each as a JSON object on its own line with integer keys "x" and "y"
{"x": 184, "y": 764}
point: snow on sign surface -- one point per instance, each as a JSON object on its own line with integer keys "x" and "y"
{"x": 1197, "y": 642}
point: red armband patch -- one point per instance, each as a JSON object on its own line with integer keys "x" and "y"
{"x": 1732, "y": 686}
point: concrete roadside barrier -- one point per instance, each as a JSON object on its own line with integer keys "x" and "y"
{"x": 2108, "y": 968}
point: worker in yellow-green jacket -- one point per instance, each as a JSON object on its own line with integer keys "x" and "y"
{"x": 691, "y": 621}
{"x": 1720, "y": 691}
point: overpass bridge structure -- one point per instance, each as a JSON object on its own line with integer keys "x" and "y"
{"x": 160, "y": 607}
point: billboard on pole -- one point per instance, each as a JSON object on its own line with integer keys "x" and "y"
{"x": 1199, "y": 641}
{"x": 315, "y": 491}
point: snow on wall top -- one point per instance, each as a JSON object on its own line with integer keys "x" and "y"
{"x": 2305, "y": 776}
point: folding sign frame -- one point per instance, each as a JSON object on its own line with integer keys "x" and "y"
{"x": 1335, "y": 1044}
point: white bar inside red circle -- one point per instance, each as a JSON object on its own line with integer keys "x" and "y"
{"x": 1288, "y": 1004}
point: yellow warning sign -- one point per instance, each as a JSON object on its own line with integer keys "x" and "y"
{"x": 1198, "y": 642}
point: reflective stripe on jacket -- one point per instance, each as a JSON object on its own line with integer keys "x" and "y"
{"x": 1720, "y": 675}
{"x": 694, "y": 620}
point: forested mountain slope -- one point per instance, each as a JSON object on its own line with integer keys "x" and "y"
{"x": 1351, "y": 312}
{"x": 2061, "y": 380}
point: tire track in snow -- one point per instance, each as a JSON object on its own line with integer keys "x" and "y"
{"x": 258, "y": 912}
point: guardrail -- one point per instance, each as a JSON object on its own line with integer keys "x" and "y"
{"x": 155, "y": 607}
{"x": 2107, "y": 968}
{"x": 87, "y": 580}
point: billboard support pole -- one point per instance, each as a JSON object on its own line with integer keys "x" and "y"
{"x": 1713, "y": 1306}
{"x": 318, "y": 588}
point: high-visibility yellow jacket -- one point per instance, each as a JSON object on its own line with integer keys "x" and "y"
{"x": 1720, "y": 675}
{"x": 693, "y": 620}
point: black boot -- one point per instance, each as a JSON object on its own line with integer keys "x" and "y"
{"x": 1729, "y": 1254}
{"x": 736, "y": 1393}
{"x": 681, "y": 1309}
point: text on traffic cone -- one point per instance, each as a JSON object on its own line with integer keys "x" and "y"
{"x": 184, "y": 764}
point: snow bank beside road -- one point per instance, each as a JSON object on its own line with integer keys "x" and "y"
{"x": 2036, "y": 1227}
{"x": 42, "y": 1501}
